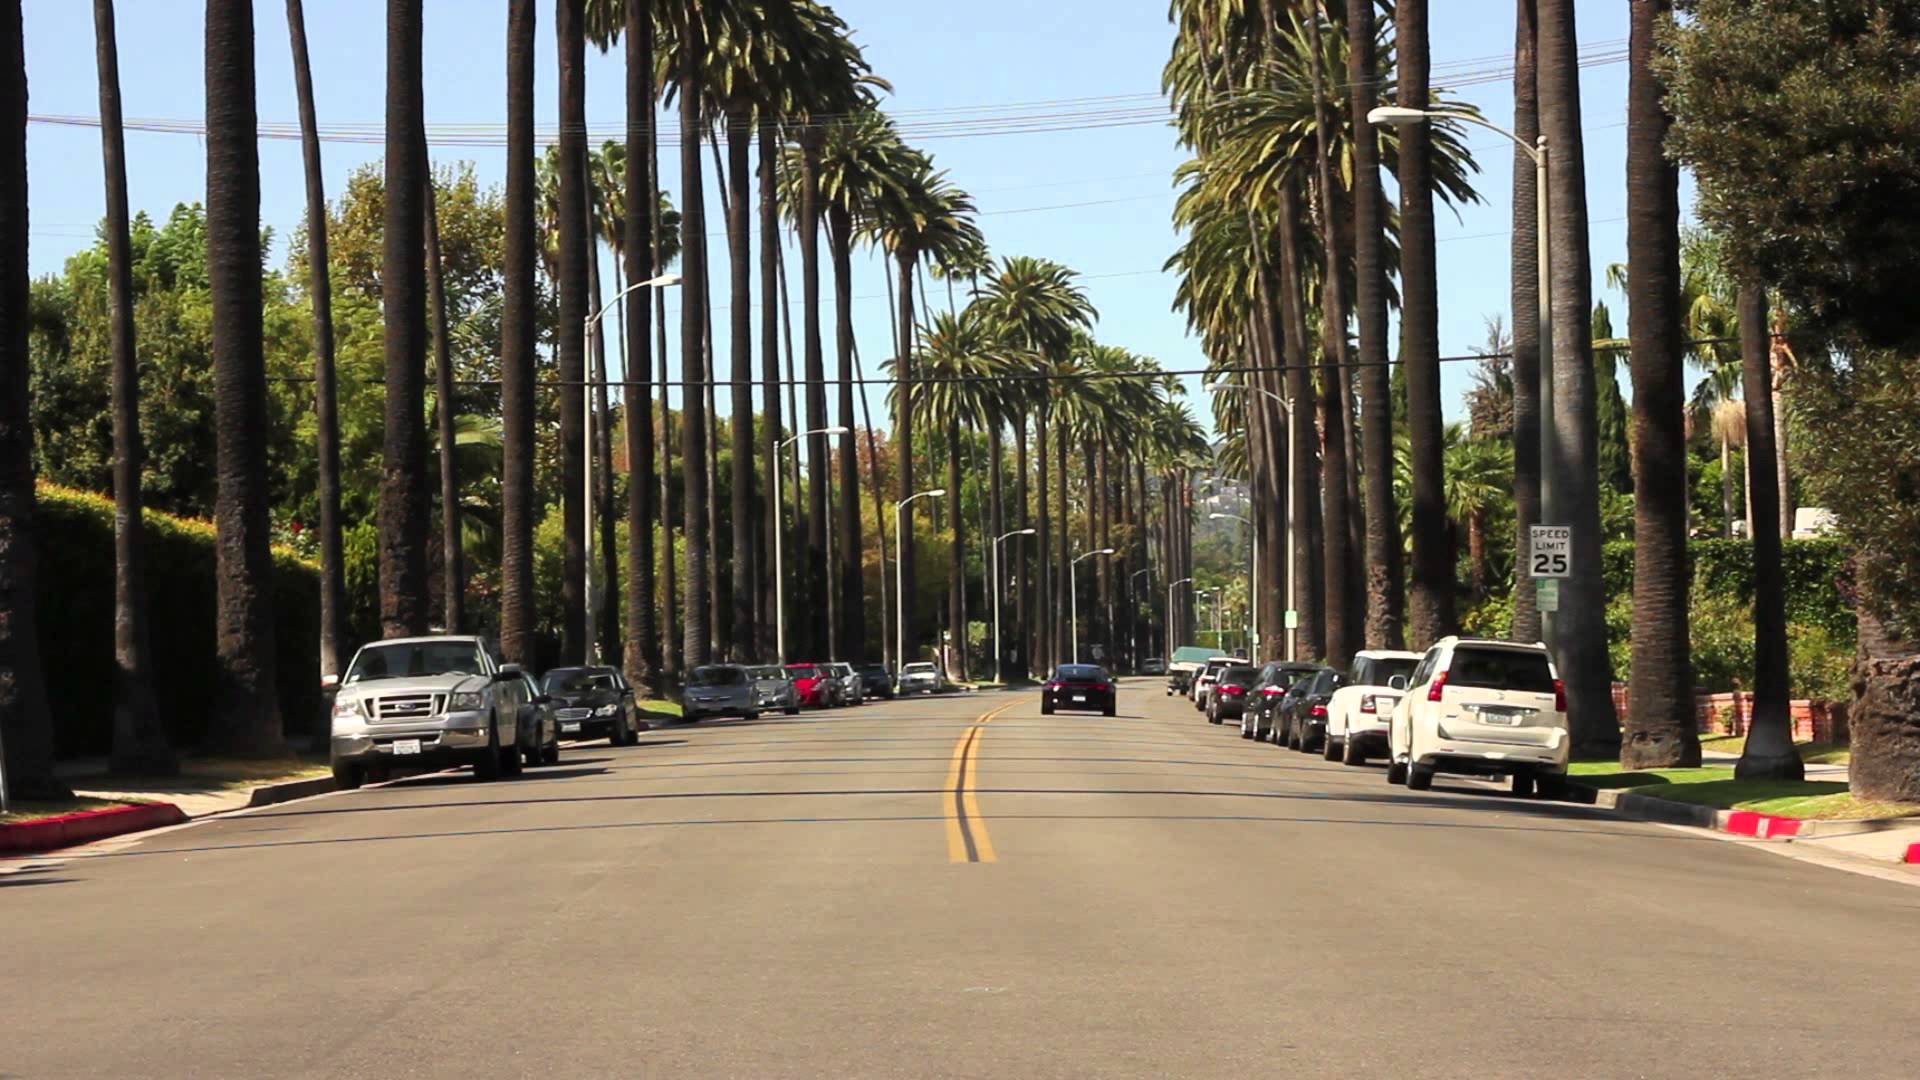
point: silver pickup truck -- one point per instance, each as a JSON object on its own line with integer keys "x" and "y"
{"x": 431, "y": 702}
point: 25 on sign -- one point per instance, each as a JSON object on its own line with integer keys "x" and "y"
{"x": 1550, "y": 554}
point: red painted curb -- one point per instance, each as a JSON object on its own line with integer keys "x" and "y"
{"x": 1913, "y": 853}
{"x": 87, "y": 825}
{"x": 1761, "y": 826}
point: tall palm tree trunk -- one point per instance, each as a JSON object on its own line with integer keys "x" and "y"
{"x": 405, "y": 504}
{"x": 1045, "y": 612}
{"x": 1384, "y": 630}
{"x": 1430, "y": 597}
{"x": 453, "y": 579}
{"x": 246, "y": 717}
{"x": 746, "y": 571}
{"x": 879, "y": 503}
{"x": 139, "y": 738}
{"x": 1304, "y": 441}
{"x": 518, "y": 329}
{"x": 26, "y": 726}
{"x": 334, "y": 647}
{"x": 1022, "y": 557}
{"x": 903, "y": 445}
{"x": 605, "y": 630}
{"x": 851, "y": 583}
{"x": 642, "y": 652}
{"x": 1769, "y": 752}
{"x": 571, "y": 332}
{"x": 812, "y": 349}
{"x": 1525, "y": 291}
{"x": 1341, "y": 633}
{"x": 1063, "y": 581}
{"x": 1580, "y": 633}
{"x": 956, "y": 555}
{"x": 671, "y": 640}
{"x": 996, "y": 526}
{"x": 772, "y": 430}
{"x": 1660, "y": 728}
{"x": 698, "y": 644}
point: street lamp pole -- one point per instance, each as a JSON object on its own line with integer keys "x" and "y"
{"x": 1133, "y": 616}
{"x": 1542, "y": 158}
{"x": 779, "y": 539}
{"x": 900, "y": 578}
{"x": 1073, "y": 600}
{"x": 1166, "y": 620}
{"x": 997, "y": 675}
{"x": 588, "y": 326}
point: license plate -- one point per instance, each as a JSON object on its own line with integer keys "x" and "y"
{"x": 1079, "y": 697}
{"x": 570, "y": 726}
{"x": 1505, "y": 718}
{"x": 406, "y": 746}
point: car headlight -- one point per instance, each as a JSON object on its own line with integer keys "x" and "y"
{"x": 465, "y": 701}
{"x": 606, "y": 710}
{"x": 346, "y": 710}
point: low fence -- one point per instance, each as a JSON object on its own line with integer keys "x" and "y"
{"x": 1732, "y": 713}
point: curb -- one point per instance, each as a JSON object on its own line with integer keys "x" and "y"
{"x": 86, "y": 826}
{"x": 270, "y": 794}
{"x": 1748, "y": 823}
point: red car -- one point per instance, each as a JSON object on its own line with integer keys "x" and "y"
{"x": 813, "y": 684}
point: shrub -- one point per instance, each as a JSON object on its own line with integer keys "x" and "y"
{"x": 75, "y": 591}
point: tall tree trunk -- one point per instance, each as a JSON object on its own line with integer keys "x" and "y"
{"x": 575, "y": 245}
{"x": 956, "y": 556}
{"x": 819, "y": 459}
{"x": 1022, "y": 557}
{"x": 879, "y": 504}
{"x": 405, "y": 504}
{"x": 1769, "y": 752}
{"x": 1384, "y": 630}
{"x": 453, "y": 582}
{"x": 1430, "y": 597}
{"x": 518, "y": 329}
{"x": 641, "y": 654}
{"x": 1341, "y": 633}
{"x": 996, "y": 526}
{"x": 850, "y": 582}
{"x": 698, "y": 644}
{"x": 334, "y": 647}
{"x": 605, "y": 626}
{"x": 1782, "y": 360}
{"x": 246, "y": 716}
{"x": 1304, "y": 441}
{"x": 772, "y": 430}
{"x": 1045, "y": 612}
{"x": 1525, "y": 292}
{"x": 1063, "y": 651}
{"x": 747, "y": 585}
{"x": 26, "y": 725}
{"x": 1580, "y": 632}
{"x": 903, "y": 444}
{"x": 719, "y": 606}
{"x": 1660, "y": 726}
{"x": 671, "y": 640}
{"x": 139, "y": 738}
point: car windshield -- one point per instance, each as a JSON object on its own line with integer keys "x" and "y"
{"x": 1239, "y": 676}
{"x": 767, "y": 673}
{"x": 1492, "y": 668}
{"x": 716, "y": 676}
{"x": 917, "y": 669}
{"x": 578, "y": 680}
{"x": 802, "y": 671}
{"x": 1080, "y": 673}
{"x": 417, "y": 659}
{"x": 874, "y": 669}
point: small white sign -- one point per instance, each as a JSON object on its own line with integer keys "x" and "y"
{"x": 1293, "y": 620}
{"x": 1546, "y": 594}
{"x": 1550, "y": 554}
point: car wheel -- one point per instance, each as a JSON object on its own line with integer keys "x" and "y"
{"x": 1329, "y": 749}
{"x": 550, "y": 755}
{"x": 754, "y": 715}
{"x": 1397, "y": 772}
{"x": 792, "y": 710}
{"x": 1046, "y": 708}
{"x": 347, "y": 775}
{"x": 1212, "y": 717}
{"x": 487, "y": 766}
{"x": 1112, "y": 710}
{"x": 1523, "y": 785}
{"x": 511, "y": 762}
{"x": 1419, "y": 777}
{"x": 1350, "y": 752}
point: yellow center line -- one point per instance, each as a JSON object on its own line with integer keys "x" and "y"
{"x": 967, "y": 839}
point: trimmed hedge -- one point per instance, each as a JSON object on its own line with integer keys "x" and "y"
{"x": 75, "y": 593}
{"x": 1813, "y": 568}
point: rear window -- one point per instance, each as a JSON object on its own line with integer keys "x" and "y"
{"x": 1081, "y": 673}
{"x": 1501, "y": 669}
{"x": 803, "y": 671}
{"x": 1382, "y": 670}
{"x": 717, "y": 676}
{"x": 767, "y": 673}
{"x": 1326, "y": 682}
{"x": 1239, "y": 676}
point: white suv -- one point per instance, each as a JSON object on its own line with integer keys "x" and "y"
{"x": 1487, "y": 708}
{"x": 1359, "y": 713}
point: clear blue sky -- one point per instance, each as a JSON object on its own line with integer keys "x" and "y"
{"x": 937, "y": 56}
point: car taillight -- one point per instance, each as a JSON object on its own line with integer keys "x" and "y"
{"x": 1270, "y": 692}
{"x": 1052, "y": 686}
{"x": 1319, "y": 710}
{"x": 1102, "y": 687}
{"x": 1559, "y": 695}
{"x": 1438, "y": 684}
{"x": 1233, "y": 689}
{"x": 1366, "y": 704}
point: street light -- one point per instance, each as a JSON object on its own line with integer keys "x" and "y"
{"x": 1253, "y": 587}
{"x": 664, "y": 281}
{"x": 1166, "y": 620}
{"x": 1400, "y": 116}
{"x": 997, "y": 676}
{"x": 1133, "y": 617}
{"x": 779, "y": 539}
{"x": 1073, "y": 593}
{"x": 900, "y": 577}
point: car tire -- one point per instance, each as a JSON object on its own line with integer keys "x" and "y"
{"x": 754, "y": 715}
{"x": 1112, "y": 710}
{"x": 1329, "y": 749}
{"x": 512, "y": 764}
{"x": 550, "y": 755}
{"x": 792, "y": 710}
{"x": 1212, "y": 717}
{"x": 486, "y": 767}
{"x": 1046, "y": 707}
{"x": 1350, "y": 752}
{"x": 348, "y": 776}
{"x": 1397, "y": 772}
{"x": 1419, "y": 777}
{"x": 1524, "y": 786}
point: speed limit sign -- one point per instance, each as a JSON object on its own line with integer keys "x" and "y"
{"x": 1550, "y": 553}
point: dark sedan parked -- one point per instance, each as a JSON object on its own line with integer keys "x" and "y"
{"x": 879, "y": 681}
{"x": 589, "y": 701}
{"x": 1306, "y": 710}
{"x": 1079, "y": 688}
{"x": 1231, "y": 688}
{"x": 1263, "y": 701}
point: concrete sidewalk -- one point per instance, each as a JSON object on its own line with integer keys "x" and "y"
{"x": 1826, "y": 774}
{"x": 202, "y": 788}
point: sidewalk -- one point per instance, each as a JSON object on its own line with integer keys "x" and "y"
{"x": 204, "y": 786}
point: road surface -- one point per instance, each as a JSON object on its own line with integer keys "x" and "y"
{"x": 952, "y": 887}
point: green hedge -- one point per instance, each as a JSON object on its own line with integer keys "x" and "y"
{"x": 75, "y": 593}
{"x": 1724, "y": 568}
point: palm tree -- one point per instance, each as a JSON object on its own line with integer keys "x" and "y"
{"x": 642, "y": 652}
{"x": 246, "y": 716}
{"x": 697, "y": 645}
{"x": 1769, "y": 753}
{"x": 405, "y": 504}
{"x": 333, "y": 584}
{"x": 518, "y": 326}
{"x": 139, "y": 738}
{"x": 1580, "y": 636}
{"x": 571, "y": 275}
{"x": 452, "y": 562}
{"x": 1660, "y": 725}
{"x": 26, "y": 726}
{"x": 1525, "y": 292}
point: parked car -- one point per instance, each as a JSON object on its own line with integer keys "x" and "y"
{"x": 1203, "y": 682}
{"x": 1484, "y": 708}
{"x": 593, "y": 701}
{"x": 921, "y": 678}
{"x": 719, "y": 690}
{"x": 1291, "y": 705}
{"x": 1227, "y": 700}
{"x": 1184, "y": 667}
{"x": 1360, "y": 712}
{"x": 774, "y": 689}
{"x": 816, "y": 687}
{"x": 1307, "y": 722}
{"x": 1256, "y": 721}
{"x": 428, "y": 702}
{"x": 878, "y": 680}
{"x": 853, "y": 688}
{"x": 537, "y": 711}
{"x": 1153, "y": 665}
{"x": 1079, "y": 688}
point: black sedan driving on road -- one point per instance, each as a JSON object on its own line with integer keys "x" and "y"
{"x": 1079, "y": 688}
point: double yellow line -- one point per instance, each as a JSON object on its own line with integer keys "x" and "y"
{"x": 967, "y": 837}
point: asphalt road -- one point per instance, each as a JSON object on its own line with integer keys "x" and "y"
{"x": 948, "y": 888}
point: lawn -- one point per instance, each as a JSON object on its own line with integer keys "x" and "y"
{"x": 1714, "y": 785}
{"x": 660, "y": 710}
{"x": 1810, "y": 752}
{"x": 25, "y": 811}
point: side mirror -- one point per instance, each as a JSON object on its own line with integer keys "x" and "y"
{"x": 507, "y": 672}
{"x": 329, "y": 682}
{"x": 1396, "y": 682}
